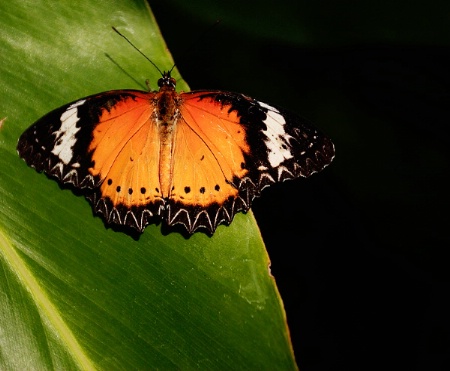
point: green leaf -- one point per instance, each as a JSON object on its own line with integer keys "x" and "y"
{"x": 77, "y": 295}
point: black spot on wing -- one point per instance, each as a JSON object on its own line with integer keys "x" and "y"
{"x": 134, "y": 217}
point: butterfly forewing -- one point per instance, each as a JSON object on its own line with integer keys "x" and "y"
{"x": 275, "y": 144}
{"x": 57, "y": 144}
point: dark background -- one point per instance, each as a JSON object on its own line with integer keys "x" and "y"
{"x": 359, "y": 251}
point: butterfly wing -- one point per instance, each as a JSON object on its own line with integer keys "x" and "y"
{"x": 228, "y": 148}
{"x": 103, "y": 144}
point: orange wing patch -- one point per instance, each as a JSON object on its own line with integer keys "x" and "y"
{"x": 125, "y": 152}
{"x": 208, "y": 154}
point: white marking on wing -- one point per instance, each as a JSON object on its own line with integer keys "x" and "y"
{"x": 66, "y": 133}
{"x": 276, "y": 136}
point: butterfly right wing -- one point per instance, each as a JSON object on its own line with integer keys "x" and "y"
{"x": 228, "y": 148}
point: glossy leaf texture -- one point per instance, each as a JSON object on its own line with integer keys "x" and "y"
{"x": 77, "y": 295}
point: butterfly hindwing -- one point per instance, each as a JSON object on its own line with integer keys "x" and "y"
{"x": 212, "y": 144}
{"x": 125, "y": 151}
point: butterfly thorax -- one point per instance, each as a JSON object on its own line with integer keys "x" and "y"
{"x": 166, "y": 101}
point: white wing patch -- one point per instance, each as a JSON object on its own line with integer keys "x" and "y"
{"x": 277, "y": 140}
{"x": 65, "y": 136}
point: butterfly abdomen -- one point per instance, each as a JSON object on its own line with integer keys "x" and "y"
{"x": 165, "y": 117}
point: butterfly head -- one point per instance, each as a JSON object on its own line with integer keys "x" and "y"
{"x": 167, "y": 82}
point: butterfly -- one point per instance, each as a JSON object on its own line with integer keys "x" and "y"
{"x": 191, "y": 158}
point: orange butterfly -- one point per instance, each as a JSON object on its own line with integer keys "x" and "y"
{"x": 194, "y": 158}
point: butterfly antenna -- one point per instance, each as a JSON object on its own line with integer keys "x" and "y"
{"x": 191, "y": 46}
{"x": 129, "y": 42}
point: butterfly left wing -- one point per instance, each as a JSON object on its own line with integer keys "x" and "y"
{"x": 228, "y": 148}
{"x": 104, "y": 144}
